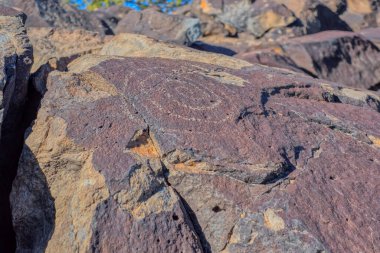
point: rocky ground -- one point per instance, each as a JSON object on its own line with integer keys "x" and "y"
{"x": 227, "y": 126}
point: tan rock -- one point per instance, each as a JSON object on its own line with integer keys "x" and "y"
{"x": 273, "y": 221}
{"x": 133, "y": 45}
{"x": 360, "y": 6}
{"x": 200, "y": 155}
{"x": 55, "y": 48}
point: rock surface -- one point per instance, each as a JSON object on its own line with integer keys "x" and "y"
{"x": 142, "y": 144}
{"x": 372, "y": 34}
{"x": 157, "y": 25}
{"x": 55, "y": 13}
{"x": 15, "y": 62}
{"x": 55, "y": 48}
{"x": 343, "y": 57}
{"x": 153, "y": 153}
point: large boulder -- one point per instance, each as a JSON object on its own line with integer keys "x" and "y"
{"x": 343, "y": 57}
{"x": 272, "y": 57}
{"x": 161, "y": 26}
{"x": 56, "y": 13}
{"x": 274, "y": 19}
{"x": 16, "y": 59}
{"x": 149, "y": 153}
{"x": 135, "y": 45}
{"x": 55, "y": 48}
{"x": 15, "y": 62}
{"x": 111, "y": 16}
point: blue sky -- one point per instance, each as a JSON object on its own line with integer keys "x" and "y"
{"x": 82, "y": 5}
{"x": 130, "y": 3}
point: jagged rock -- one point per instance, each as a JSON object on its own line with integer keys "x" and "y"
{"x": 274, "y": 18}
{"x": 315, "y": 16}
{"x": 15, "y": 62}
{"x": 56, "y": 13}
{"x": 343, "y": 57}
{"x": 168, "y": 153}
{"x": 161, "y": 26}
{"x": 55, "y": 48}
{"x": 267, "y": 16}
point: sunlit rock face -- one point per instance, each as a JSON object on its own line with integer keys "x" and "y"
{"x": 155, "y": 154}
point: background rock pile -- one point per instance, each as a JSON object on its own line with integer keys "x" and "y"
{"x": 227, "y": 126}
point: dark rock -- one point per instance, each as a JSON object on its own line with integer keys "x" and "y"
{"x": 274, "y": 18}
{"x": 111, "y": 16}
{"x": 271, "y": 57}
{"x": 337, "y": 56}
{"x": 55, "y": 13}
{"x": 16, "y": 58}
{"x": 153, "y": 154}
{"x": 157, "y": 25}
{"x": 212, "y": 48}
{"x": 342, "y": 57}
{"x": 16, "y": 61}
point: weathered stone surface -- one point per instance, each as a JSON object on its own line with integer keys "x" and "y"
{"x": 337, "y": 56}
{"x": 110, "y": 17}
{"x": 343, "y": 57}
{"x": 161, "y": 26}
{"x": 274, "y": 18}
{"x": 315, "y": 16}
{"x": 273, "y": 57}
{"x": 55, "y": 48}
{"x": 55, "y": 13}
{"x": 15, "y": 62}
{"x": 164, "y": 152}
{"x": 134, "y": 45}
{"x": 268, "y": 16}
{"x": 372, "y": 34}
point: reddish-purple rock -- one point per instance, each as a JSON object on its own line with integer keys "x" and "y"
{"x": 147, "y": 154}
{"x": 344, "y": 57}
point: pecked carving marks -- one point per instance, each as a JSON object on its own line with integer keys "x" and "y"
{"x": 192, "y": 163}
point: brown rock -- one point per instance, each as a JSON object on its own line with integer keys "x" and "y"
{"x": 110, "y": 17}
{"x": 273, "y": 57}
{"x": 157, "y": 25}
{"x": 343, "y": 57}
{"x": 361, "y": 14}
{"x": 55, "y": 48}
{"x": 270, "y": 20}
{"x": 153, "y": 154}
{"x": 372, "y": 34}
{"x": 134, "y": 45}
{"x": 15, "y": 62}
{"x": 268, "y": 16}
{"x": 55, "y": 13}
{"x": 337, "y": 56}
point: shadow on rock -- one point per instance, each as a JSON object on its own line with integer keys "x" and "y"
{"x": 11, "y": 145}
{"x": 32, "y": 205}
{"x": 212, "y": 48}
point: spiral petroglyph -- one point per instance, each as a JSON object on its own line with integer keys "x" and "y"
{"x": 235, "y": 143}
